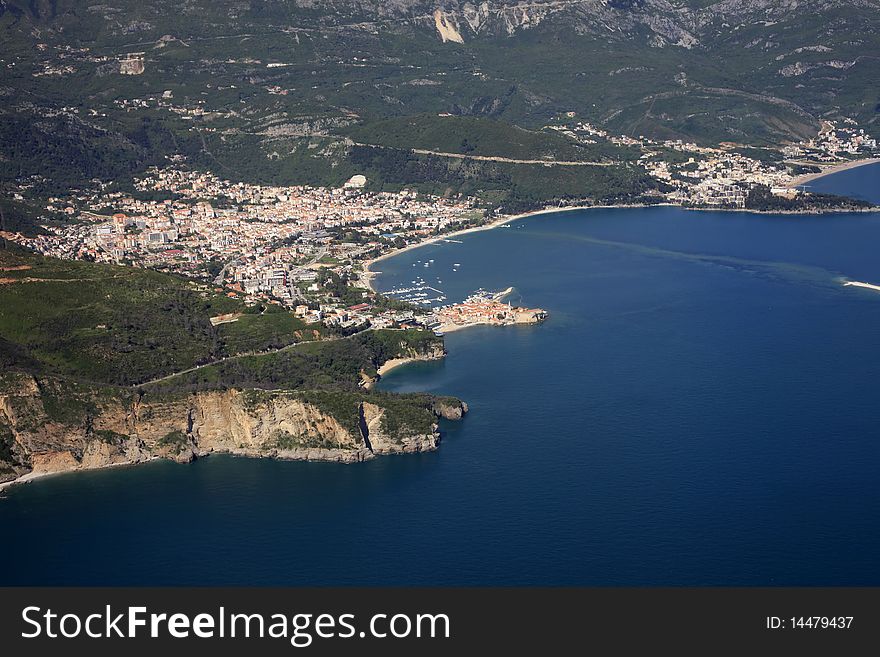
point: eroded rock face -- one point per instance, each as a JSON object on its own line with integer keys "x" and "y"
{"x": 101, "y": 453}
{"x": 53, "y": 461}
{"x": 450, "y": 409}
{"x": 249, "y": 423}
{"x": 228, "y": 422}
{"x": 381, "y": 442}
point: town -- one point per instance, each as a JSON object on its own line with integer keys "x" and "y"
{"x": 308, "y": 249}
{"x": 484, "y": 308}
{"x": 702, "y": 176}
{"x": 300, "y": 247}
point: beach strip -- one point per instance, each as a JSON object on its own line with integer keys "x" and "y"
{"x": 830, "y": 169}
{"x": 368, "y": 274}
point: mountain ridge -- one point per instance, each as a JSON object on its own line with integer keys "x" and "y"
{"x": 266, "y": 91}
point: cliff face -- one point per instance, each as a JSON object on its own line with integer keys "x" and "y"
{"x": 93, "y": 431}
{"x": 381, "y": 442}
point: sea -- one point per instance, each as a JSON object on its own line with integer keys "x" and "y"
{"x": 700, "y": 408}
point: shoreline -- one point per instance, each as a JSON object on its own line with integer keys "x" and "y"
{"x": 27, "y": 478}
{"x": 452, "y": 328}
{"x": 393, "y": 364}
{"x": 34, "y": 476}
{"x": 831, "y": 170}
{"x": 367, "y": 275}
{"x": 871, "y": 209}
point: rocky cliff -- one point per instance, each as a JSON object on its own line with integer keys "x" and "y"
{"x": 47, "y": 426}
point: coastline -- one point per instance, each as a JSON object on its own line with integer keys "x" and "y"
{"x": 394, "y": 363}
{"x": 452, "y": 328}
{"x": 871, "y": 209}
{"x": 34, "y": 476}
{"x": 24, "y": 479}
{"x": 367, "y": 275}
{"x": 316, "y": 454}
{"x": 31, "y": 477}
{"x": 830, "y": 170}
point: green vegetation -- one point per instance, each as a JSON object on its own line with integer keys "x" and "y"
{"x": 67, "y": 405}
{"x": 800, "y": 170}
{"x": 332, "y": 364}
{"x": 710, "y": 118}
{"x": 265, "y": 331}
{"x": 480, "y": 136}
{"x": 7, "y": 442}
{"x": 66, "y": 151}
{"x": 383, "y": 302}
{"x": 344, "y": 405}
{"x": 110, "y": 437}
{"x": 122, "y": 326}
{"x": 91, "y": 335}
{"x": 405, "y": 414}
{"x": 734, "y": 73}
{"x": 284, "y": 440}
{"x": 19, "y": 217}
{"x": 408, "y": 416}
{"x": 761, "y": 198}
{"x": 338, "y": 287}
{"x": 175, "y": 440}
{"x": 508, "y": 187}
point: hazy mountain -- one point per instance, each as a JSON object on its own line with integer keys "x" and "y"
{"x": 263, "y": 76}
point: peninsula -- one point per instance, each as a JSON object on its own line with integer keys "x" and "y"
{"x": 829, "y": 169}
{"x": 104, "y": 365}
{"x": 190, "y": 208}
{"x": 484, "y": 309}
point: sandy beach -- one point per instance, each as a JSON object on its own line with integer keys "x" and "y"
{"x": 389, "y": 365}
{"x": 33, "y": 476}
{"x": 368, "y": 275}
{"x": 450, "y": 328}
{"x": 25, "y": 478}
{"x": 827, "y": 170}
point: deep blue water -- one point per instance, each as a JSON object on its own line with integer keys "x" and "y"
{"x": 700, "y": 408}
{"x": 861, "y": 182}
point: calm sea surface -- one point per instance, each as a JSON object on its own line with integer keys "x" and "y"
{"x": 700, "y": 408}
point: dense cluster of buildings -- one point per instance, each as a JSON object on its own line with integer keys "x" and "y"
{"x": 482, "y": 308}
{"x": 276, "y": 244}
{"x": 257, "y": 228}
{"x": 723, "y": 177}
{"x": 262, "y": 243}
{"x": 718, "y": 178}
{"x": 834, "y": 143}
